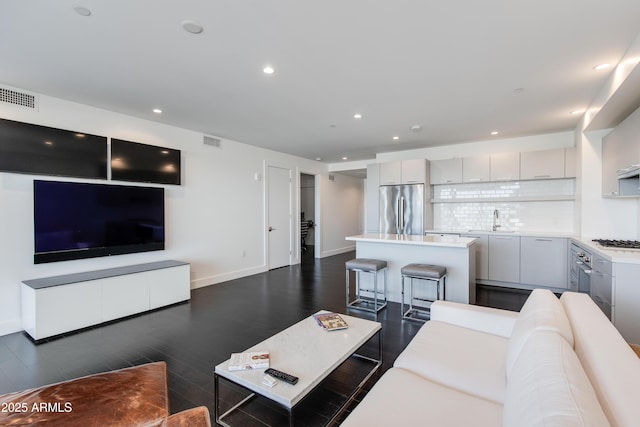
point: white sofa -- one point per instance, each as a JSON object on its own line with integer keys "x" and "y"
{"x": 559, "y": 362}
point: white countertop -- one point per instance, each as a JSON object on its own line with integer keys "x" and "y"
{"x": 450, "y": 241}
{"x": 613, "y": 255}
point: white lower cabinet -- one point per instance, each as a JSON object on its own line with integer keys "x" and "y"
{"x": 55, "y": 305}
{"x": 482, "y": 255}
{"x": 543, "y": 261}
{"x": 504, "y": 258}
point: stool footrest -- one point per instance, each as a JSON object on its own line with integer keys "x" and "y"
{"x": 371, "y": 291}
{"x": 357, "y": 304}
{"x": 408, "y": 315}
{"x": 423, "y": 299}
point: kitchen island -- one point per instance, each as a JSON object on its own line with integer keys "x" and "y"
{"x": 455, "y": 253}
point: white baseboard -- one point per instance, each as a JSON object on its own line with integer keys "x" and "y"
{"x": 338, "y": 251}
{"x": 212, "y": 280}
{"x": 10, "y": 326}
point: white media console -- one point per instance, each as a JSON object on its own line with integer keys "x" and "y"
{"x": 55, "y": 305}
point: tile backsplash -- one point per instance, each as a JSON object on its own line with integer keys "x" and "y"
{"x": 522, "y": 205}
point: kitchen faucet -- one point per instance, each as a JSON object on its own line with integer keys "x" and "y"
{"x": 496, "y": 215}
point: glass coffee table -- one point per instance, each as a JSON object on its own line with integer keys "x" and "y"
{"x": 306, "y": 351}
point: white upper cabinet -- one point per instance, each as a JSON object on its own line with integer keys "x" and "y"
{"x": 390, "y": 173}
{"x": 447, "y": 171}
{"x": 505, "y": 166}
{"x": 414, "y": 171}
{"x": 476, "y": 169}
{"x": 546, "y": 164}
{"x": 621, "y": 153}
{"x": 403, "y": 172}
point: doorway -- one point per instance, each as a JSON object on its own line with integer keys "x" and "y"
{"x": 279, "y": 217}
{"x": 307, "y": 217}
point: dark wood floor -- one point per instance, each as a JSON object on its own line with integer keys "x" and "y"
{"x": 229, "y": 317}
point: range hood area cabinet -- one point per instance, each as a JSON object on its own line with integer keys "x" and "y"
{"x": 621, "y": 159}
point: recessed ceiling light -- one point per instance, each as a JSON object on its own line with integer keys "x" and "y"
{"x": 318, "y": 158}
{"x": 357, "y": 116}
{"x": 495, "y": 132}
{"x": 602, "y": 66}
{"x": 395, "y": 138}
{"x": 82, "y": 11}
{"x": 345, "y": 158}
{"x": 157, "y": 111}
{"x": 416, "y": 128}
{"x": 192, "y": 27}
{"x": 268, "y": 70}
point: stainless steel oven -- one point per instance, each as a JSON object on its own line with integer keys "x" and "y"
{"x": 580, "y": 270}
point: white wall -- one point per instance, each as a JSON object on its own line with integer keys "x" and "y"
{"x": 505, "y": 145}
{"x": 343, "y": 211}
{"x": 211, "y": 219}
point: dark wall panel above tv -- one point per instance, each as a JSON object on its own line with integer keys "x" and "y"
{"x": 133, "y": 161}
{"x": 42, "y": 150}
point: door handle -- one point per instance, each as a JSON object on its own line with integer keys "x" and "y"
{"x": 271, "y": 228}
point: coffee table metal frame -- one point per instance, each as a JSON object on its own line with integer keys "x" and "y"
{"x": 219, "y": 417}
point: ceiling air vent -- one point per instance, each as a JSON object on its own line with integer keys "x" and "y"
{"x": 18, "y": 98}
{"x": 214, "y": 142}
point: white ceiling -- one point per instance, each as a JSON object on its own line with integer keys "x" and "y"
{"x": 460, "y": 69}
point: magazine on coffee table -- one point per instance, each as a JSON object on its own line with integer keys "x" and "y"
{"x": 250, "y": 360}
{"x": 330, "y": 321}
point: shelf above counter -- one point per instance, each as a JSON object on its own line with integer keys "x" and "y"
{"x": 507, "y": 199}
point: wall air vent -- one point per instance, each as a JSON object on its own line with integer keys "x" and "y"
{"x": 214, "y": 142}
{"x": 18, "y": 98}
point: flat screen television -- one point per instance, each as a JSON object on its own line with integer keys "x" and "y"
{"x": 133, "y": 161}
{"x": 75, "y": 220}
{"x": 41, "y": 150}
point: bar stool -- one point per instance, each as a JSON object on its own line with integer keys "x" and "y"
{"x": 430, "y": 273}
{"x": 373, "y": 266}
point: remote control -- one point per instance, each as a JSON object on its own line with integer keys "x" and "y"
{"x": 288, "y": 378}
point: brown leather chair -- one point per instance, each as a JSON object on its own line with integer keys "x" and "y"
{"x": 136, "y": 396}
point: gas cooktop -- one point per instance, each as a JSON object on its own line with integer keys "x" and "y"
{"x": 618, "y": 244}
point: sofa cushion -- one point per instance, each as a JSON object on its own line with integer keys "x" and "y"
{"x": 542, "y": 311}
{"x": 610, "y": 364}
{"x": 484, "y": 319}
{"x": 548, "y": 387}
{"x": 457, "y": 357}
{"x": 401, "y": 398}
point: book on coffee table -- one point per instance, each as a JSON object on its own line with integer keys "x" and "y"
{"x": 250, "y": 360}
{"x": 330, "y": 321}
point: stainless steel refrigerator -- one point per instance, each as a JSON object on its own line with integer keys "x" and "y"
{"x": 402, "y": 209}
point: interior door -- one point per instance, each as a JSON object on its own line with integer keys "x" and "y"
{"x": 279, "y": 217}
